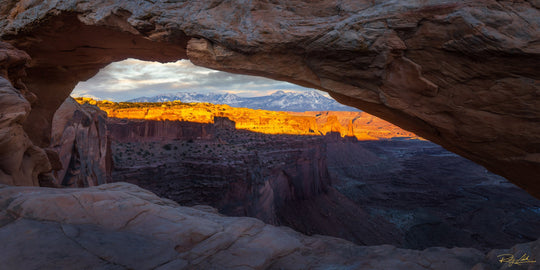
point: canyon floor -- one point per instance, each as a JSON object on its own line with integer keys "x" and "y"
{"x": 408, "y": 193}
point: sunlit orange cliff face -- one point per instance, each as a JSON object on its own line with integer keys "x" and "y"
{"x": 361, "y": 125}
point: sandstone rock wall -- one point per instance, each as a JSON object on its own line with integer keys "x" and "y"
{"x": 279, "y": 179}
{"x": 463, "y": 74}
{"x": 265, "y": 178}
{"x": 224, "y": 123}
{"x": 80, "y": 141}
{"x": 21, "y": 162}
{"x": 125, "y": 130}
{"x": 280, "y": 174}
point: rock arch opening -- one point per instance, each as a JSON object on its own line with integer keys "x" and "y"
{"x": 463, "y": 74}
{"x": 402, "y": 192}
{"x": 413, "y": 74}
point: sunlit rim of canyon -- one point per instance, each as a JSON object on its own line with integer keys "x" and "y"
{"x": 131, "y": 80}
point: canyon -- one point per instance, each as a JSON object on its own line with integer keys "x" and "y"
{"x": 384, "y": 190}
{"x": 408, "y": 193}
{"x": 388, "y": 190}
{"x": 279, "y": 179}
{"x": 462, "y": 74}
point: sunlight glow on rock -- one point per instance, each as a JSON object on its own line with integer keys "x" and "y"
{"x": 360, "y": 125}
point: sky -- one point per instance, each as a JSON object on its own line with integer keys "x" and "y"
{"x": 131, "y": 78}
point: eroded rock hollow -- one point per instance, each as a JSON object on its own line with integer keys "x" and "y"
{"x": 463, "y": 74}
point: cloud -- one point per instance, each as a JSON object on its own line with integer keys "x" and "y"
{"x": 133, "y": 78}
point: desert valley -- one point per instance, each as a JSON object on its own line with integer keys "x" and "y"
{"x": 343, "y": 174}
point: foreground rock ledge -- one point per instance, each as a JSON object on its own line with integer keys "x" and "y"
{"x": 121, "y": 226}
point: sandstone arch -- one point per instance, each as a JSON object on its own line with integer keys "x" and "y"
{"x": 463, "y": 74}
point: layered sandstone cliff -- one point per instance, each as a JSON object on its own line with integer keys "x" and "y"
{"x": 279, "y": 179}
{"x": 360, "y": 125}
{"x": 81, "y": 146}
{"x": 408, "y": 193}
{"x": 132, "y": 130}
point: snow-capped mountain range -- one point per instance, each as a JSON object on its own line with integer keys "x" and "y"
{"x": 278, "y": 101}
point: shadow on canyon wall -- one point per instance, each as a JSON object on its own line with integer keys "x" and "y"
{"x": 409, "y": 193}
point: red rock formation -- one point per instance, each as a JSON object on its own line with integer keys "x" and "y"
{"x": 21, "y": 162}
{"x": 224, "y": 123}
{"x": 81, "y": 141}
{"x": 463, "y": 74}
{"x": 361, "y": 125}
{"x": 358, "y": 124}
{"x": 133, "y": 130}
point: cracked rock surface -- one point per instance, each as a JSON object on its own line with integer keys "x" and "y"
{"x": 121, "y": 226}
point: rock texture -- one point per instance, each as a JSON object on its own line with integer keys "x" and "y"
{"x": 463, "y": 74}
{"x": 80, "y": 140}
{"x": 21, "y": 162}
{"x": 120, "y": 226}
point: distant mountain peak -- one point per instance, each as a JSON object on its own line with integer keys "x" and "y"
{"x": 278, "y": 93}
{"x": 277, "y": 101}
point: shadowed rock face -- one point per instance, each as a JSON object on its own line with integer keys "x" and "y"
{"x": 279, "y": 179}
{"x": 80, "y": 144}
{"x": 21, "y": 162}
{"x": 463, "y": 74}
{"x": 140, "y": 130}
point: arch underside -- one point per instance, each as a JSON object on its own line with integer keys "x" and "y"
{"x": 463, "y": 78}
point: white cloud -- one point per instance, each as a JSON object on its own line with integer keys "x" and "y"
{"x": 133, "y": 78}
